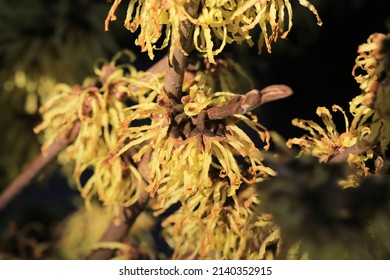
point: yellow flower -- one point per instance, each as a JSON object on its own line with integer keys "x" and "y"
{"x": 324, "y": 143}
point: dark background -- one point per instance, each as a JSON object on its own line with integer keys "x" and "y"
{"x": 316, "y": 62}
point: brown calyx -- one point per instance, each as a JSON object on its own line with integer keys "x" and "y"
{"x": 184, "y": 127}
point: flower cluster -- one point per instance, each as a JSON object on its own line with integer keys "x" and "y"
{"x": 220, "y": 226}
{"x": 372, "y": 106}
{"x": 227, "y": 21}
{"x": 97, "y": 107}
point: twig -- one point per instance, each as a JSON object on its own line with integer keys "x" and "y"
{"x": 354, "y": 149}
{"x": 241, "y": 104}
{"x": 35, "y": 168}
{"x": 174, "y": 75}
{"x": 118, "y": 231}
{"x": 127, "y": 216}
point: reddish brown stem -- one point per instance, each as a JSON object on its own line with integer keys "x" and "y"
{"x": 35, "y": 168}
{"x": 174, "y": 75}
{"x": 118, "y": 231}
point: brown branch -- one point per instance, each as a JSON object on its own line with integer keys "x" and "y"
{"x": 241, "y": 104}
{"x": 118, "y": 231}
{"x": 36, "y": 167}
{"x": 127, "y": 216}
{"x": 174, "y": 75}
